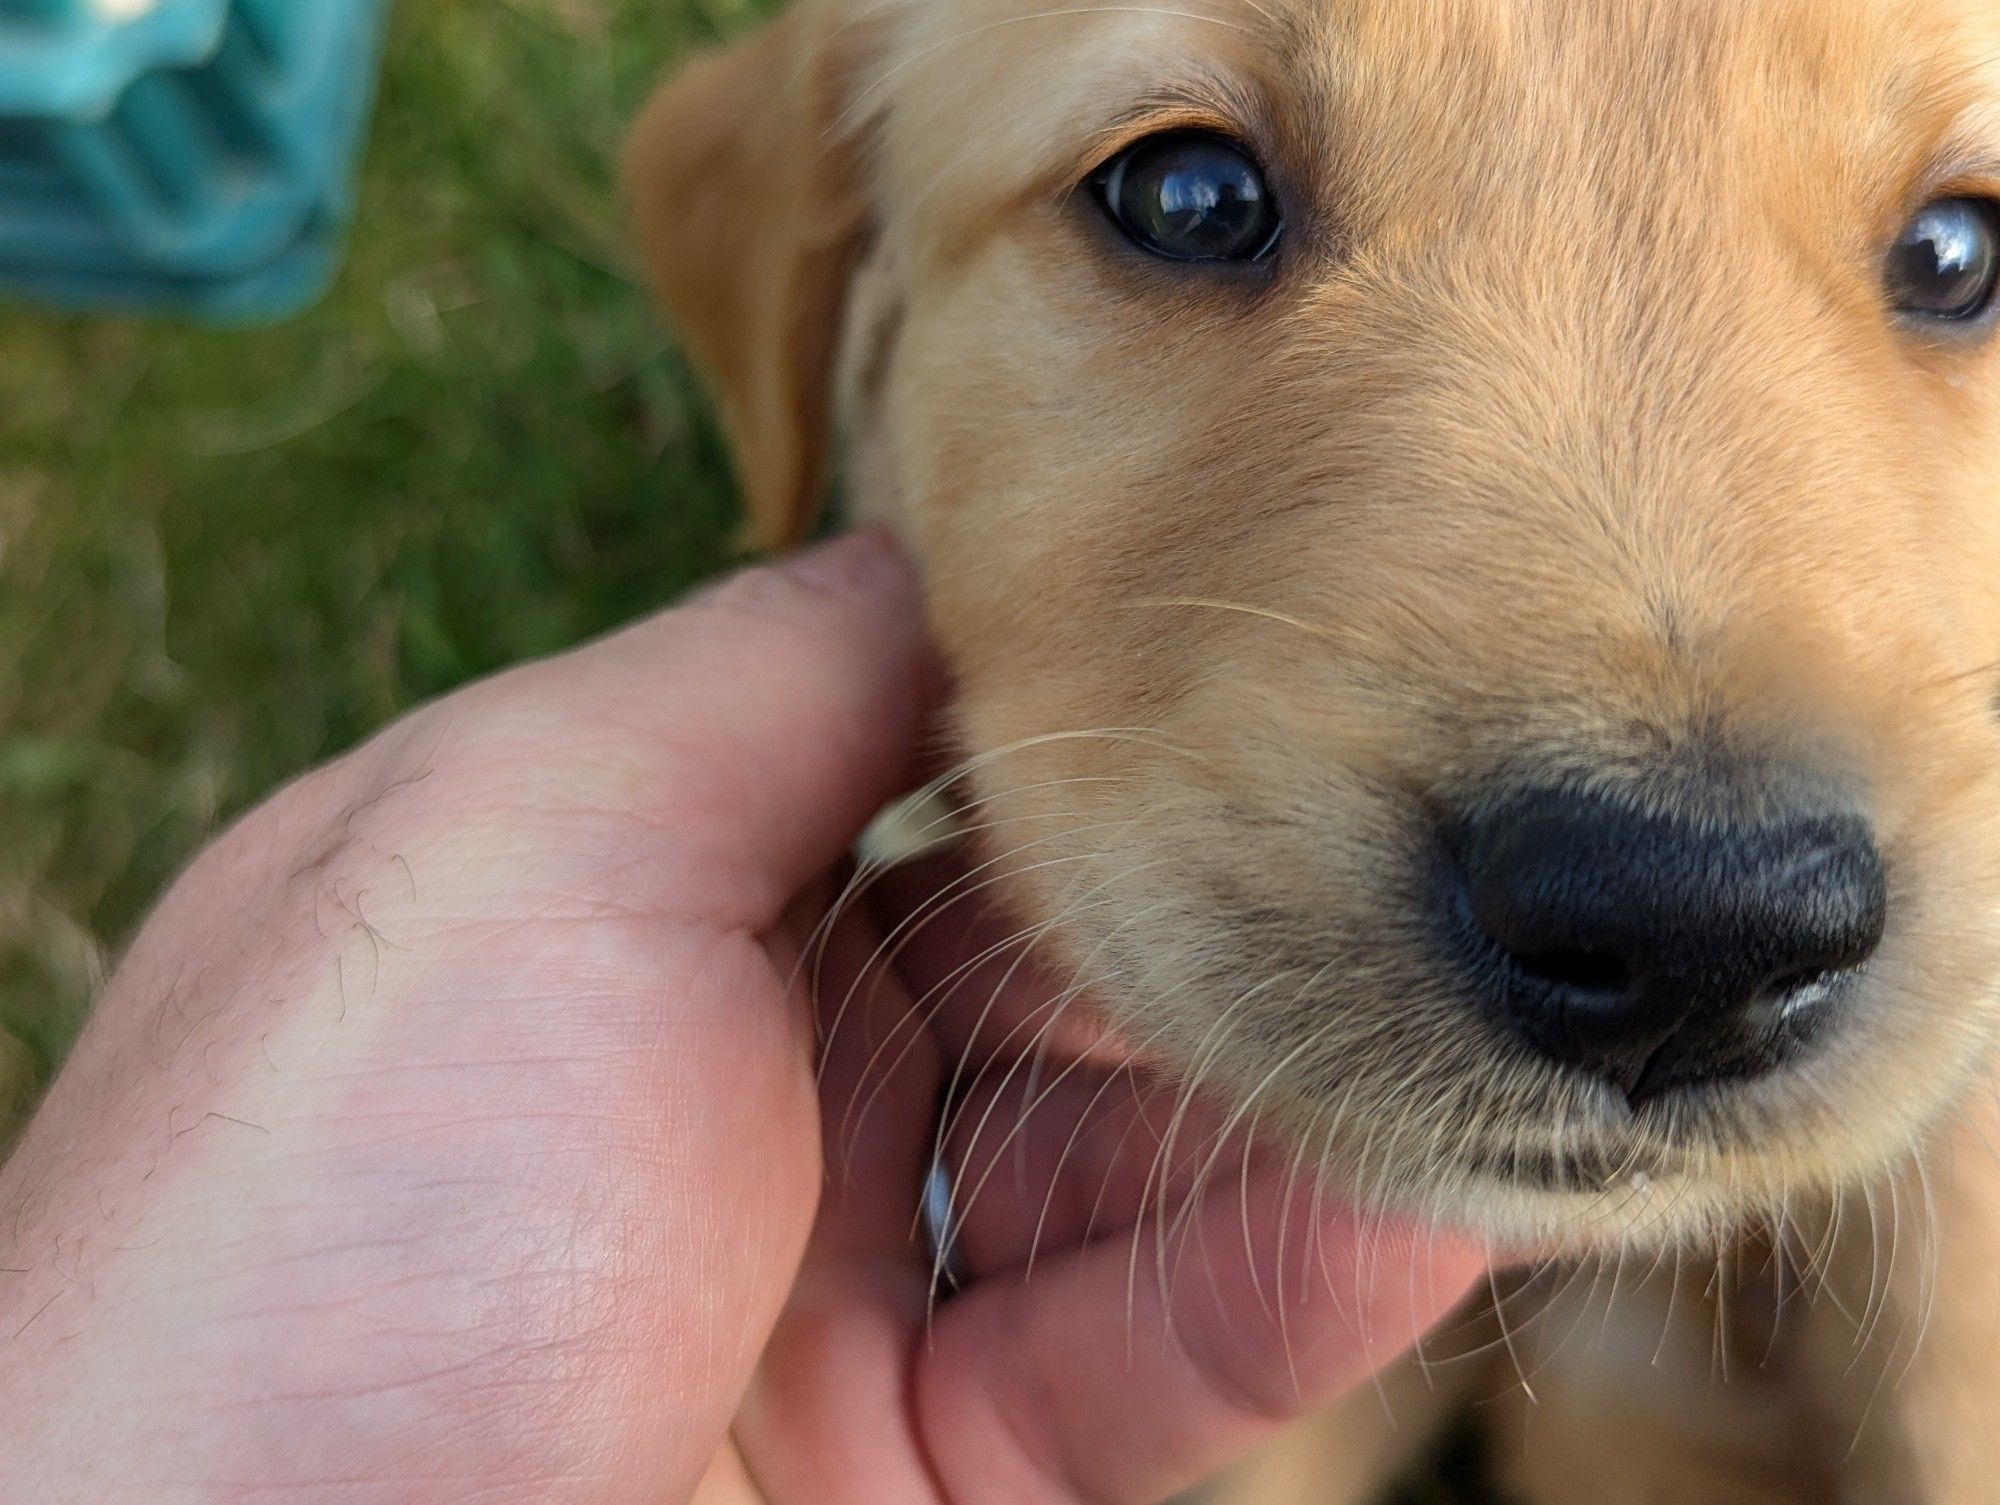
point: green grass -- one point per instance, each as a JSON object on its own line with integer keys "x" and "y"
{"x": 225, "y": 556}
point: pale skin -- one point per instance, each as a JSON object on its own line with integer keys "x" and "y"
{"x": 458, "y": 1129}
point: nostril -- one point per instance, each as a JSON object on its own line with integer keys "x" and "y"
{"x": 1597, "y": 973}
{"x": 1793, "y": 984}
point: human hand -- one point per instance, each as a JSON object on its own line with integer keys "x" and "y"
{"x": 457, "y": 1130}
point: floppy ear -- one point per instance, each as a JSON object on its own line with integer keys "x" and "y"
{"x": 750, "y": 218}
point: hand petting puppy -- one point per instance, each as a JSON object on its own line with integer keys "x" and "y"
{"x": 458, "y": 1129}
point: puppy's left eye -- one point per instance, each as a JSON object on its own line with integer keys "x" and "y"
{"x": 1190, "y": 196}
{"x": 1946, "y": 263}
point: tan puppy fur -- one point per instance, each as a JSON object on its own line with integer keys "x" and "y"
{"x": 1568, "y": 433}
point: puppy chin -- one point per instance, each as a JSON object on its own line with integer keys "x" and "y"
{"x": 1637, "y": 1214}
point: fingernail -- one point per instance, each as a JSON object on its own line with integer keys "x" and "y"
{"x": 863, "y": 562}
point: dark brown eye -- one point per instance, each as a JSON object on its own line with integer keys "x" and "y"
{"x": 1190, "y": 196}
{"x": 1946, "y": 264}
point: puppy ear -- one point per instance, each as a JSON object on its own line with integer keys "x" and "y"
{"x": 750, "y": 219}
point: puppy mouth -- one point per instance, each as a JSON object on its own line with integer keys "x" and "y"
{"x": 1577, "y": 1170}
{"x": 1630, "y": 1151}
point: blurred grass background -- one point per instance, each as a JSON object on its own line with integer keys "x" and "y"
{"x": 227, "y": 555}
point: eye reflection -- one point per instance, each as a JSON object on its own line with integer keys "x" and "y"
{"x": 1190, "y": 196}
{"x": 1946, "y": 264}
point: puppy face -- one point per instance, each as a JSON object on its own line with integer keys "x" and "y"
{"x": 1468, "y": 531}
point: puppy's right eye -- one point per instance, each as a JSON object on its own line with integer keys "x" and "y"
{"x": 1190, "y": 196}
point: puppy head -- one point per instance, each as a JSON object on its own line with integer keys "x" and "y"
{"x": 1467, "y": 530}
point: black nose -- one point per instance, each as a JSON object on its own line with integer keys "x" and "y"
{"x": 1660, "y": 950}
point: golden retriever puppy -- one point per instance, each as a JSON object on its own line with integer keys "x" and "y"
{"x": 1470, "y": 529}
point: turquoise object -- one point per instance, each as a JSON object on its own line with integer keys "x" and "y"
{"x": 193, "y": 156}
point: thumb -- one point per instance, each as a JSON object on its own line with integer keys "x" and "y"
{"x": 784, "y": 707}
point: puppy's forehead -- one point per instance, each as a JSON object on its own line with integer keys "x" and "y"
{"x": 1466, "y": 102}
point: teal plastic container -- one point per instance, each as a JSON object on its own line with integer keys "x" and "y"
{"x": 187, "y": 155}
